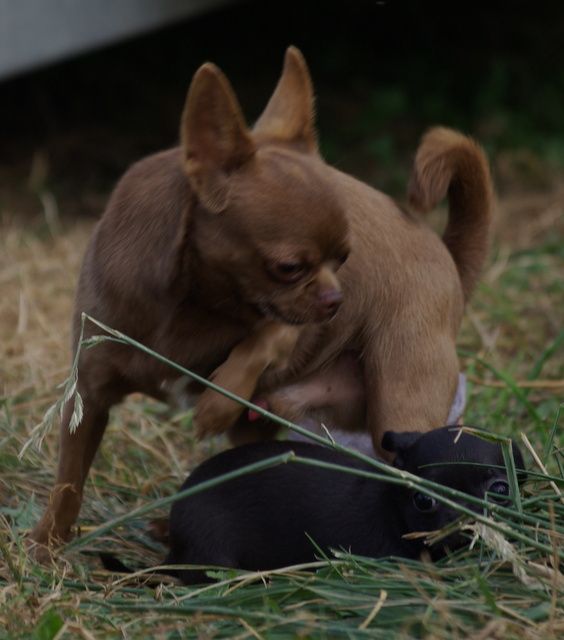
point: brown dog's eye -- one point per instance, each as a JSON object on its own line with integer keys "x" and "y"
{"x": 289, "y": 271}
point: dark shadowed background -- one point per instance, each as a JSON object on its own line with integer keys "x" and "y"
{"x": 383, "y": 72}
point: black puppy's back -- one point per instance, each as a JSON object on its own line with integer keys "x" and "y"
{"x": 265, "y": 520}
{"x": 284, "y": 515}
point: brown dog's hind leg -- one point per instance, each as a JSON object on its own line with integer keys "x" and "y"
{"x": 412, "y": 390}
{"x": 76, "y": 452}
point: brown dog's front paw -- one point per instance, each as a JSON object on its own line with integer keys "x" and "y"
{"x": 41, "y": 545}
{"x": 55, "y": 526}
{"x": 214, "y": 414}
{"x": 38, "y": 552}
{"x": 269, "y": 346}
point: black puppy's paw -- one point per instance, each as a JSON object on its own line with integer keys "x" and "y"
{"x": 111, "y": 563}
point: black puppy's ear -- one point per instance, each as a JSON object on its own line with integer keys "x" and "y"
{"x": 398, "y": 443}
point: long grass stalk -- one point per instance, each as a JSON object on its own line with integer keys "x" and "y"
{"x": 124, "y": 339}
{"x": 326, "y": 441}
{"x": 163, "y": 502}
{"x": 392, "y": 475}
{"x": 445, "y": 495}
{"x": 462, "y": 595}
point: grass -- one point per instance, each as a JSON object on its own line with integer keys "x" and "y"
{"x": 509, "y": 585}
{"x": 511, "y": 344}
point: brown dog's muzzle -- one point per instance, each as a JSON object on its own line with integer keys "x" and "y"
{"x": 329, "y": 294}
{"x": 329, "y": 301}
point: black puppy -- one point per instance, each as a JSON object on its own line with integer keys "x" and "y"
{"x": 269, "y": 519}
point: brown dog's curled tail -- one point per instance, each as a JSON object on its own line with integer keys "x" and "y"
{"x": 449, "y": 162}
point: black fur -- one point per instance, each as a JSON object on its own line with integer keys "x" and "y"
{"x": 265, "y": 520}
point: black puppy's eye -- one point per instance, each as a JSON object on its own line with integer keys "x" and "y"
{"x": 424, "y": 503}
{"x": 499, "y": 491}
{"x": 289, "y": 271}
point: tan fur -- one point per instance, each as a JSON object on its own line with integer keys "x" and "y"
{"x": 448, "y": 162}
{"x": 215, "y": 140}
{"x": 269, "y": 346}
{"x": 225, "y": 255}
{"x": 286, "y": 119}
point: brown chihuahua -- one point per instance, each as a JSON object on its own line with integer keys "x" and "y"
{"x": 227, "y": 255}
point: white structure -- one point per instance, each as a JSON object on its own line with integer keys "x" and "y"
{"x": 34, "y": 33}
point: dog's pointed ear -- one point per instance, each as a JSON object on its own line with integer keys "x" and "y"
{"x": 398, "y": 443}
{"x": 214, "y": 137}
{"x": 290, "y": 113}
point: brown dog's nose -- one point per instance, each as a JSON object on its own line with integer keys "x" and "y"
{"x": 329, "y": 301}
